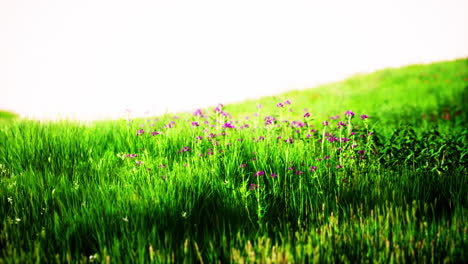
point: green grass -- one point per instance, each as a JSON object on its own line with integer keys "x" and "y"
{"x": 396, "y": 191}
{"x": 7, "y": 115}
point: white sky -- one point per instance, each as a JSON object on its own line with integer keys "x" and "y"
{"x": 96, "y": 58}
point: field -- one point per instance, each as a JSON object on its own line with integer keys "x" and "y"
{"x": 368, "y": 170}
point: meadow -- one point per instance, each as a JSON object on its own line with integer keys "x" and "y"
{"x": 371, "y": 169}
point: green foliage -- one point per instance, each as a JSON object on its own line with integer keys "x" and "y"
{"x": 278, "y": 187}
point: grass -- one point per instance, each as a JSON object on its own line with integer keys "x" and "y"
{"x": 7, "y": 115}
{"x": 248, "y": 184}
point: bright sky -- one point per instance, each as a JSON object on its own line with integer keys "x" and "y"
{"x": 95, "y": 58}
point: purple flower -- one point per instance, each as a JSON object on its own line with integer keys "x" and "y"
{"x": 273, "y": 175}
{"x": 198, "y": 112}
{"x": 298, "y": 124}
{"x": 259, "y": 173}
{"x": 299, "y": 172}
{"x": 290, "y": 140}
{"x": 361, "y": 152}
{"x": 340, "y": 124}
{"x": 243, "y": 165}
{"x": 307, "y": 115}
{"x": 287, "y": 102}
{"x": 326, "y": 157}
{"x": 184, "y": 149}
{"x": 140, "y": 132}
{"x": 339, "y": 166}
{"x": 345, "y": 139}
{"x": 199, "y": 138}
{"x": 195, "y": 124}
{"x": 364, "y": 117}
{"x": 259, "y": 106}
{"x": 154, "y": 133}
{"x": 280, "y": 105}
{"x": 228, "y": 125}
{"x": 253, "y": 186}
{"x": 349, "y": 113}
{"x": 312, "y": 168}
{"x": 325, "y": 123}
{"x": 219, "y": 108}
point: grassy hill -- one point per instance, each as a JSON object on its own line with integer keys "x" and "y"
{"x": 370, "y": 169}
{"x": 7, "y": 115}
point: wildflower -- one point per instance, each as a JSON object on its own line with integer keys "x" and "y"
{"x": 273, "y": 175}
{"x": 364, "y": 117}
{"x": 345, "y": 139}
{"x": 280, "y": 105}
{"x": 259, "y": 173}
{"x": 299, "y": 172}
{"x": 139, "y": 162}
{"x": 140, "y": 132}
{"x": 198, "y": 112}
{"x": 184, "y": 149}
{"x": 325, "y": 123}
{"x": 326, "y": 157}
{"x": 219, "y": 108}
{"x": 308, "y": 136}
{"x": 195, "y": 124}
{"x": 154, "y": 133}
{"x": 243, "y": 165}
{"x": 361, "y": 152}
{"x": 312, "y": 168}
{"x": 287, "y": 102}
{"x": 199, "y": 137}
{"x": 298, "y": 124}
{"x": 307, "y": 115}
{"x": 354, "y": 146}
{"x": 339, "y": 166}
{"x": 253, "y": 186}
{"x": 353, "y": 133}
{"x": 228, "y": 125}
{"x": 290, "y": 140}
{"x": 349, "y": 113}
{"x": 259, "y": 106}
{"x": 341, "y": 124}
{"x": 292, "y": 168}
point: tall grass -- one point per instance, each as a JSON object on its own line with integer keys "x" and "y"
{"x": 374, "y": 170}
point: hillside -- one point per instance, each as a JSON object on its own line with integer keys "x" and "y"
{"x": 371, "y": 169}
